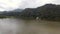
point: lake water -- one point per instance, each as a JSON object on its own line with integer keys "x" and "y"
{"x": 20, "y": 26}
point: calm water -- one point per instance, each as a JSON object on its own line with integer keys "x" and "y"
{"x": 19, "y": 26}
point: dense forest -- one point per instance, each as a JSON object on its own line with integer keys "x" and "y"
{"x": 47, "y": 11}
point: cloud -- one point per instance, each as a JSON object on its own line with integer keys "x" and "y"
{"x": 34, "y": 3}
{"x": 9, "y": 4}
{"x": 56, "y": 2}
{"x": 13, "y": 4}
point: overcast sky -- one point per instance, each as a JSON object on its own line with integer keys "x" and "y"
{"x": 13, "y": 4}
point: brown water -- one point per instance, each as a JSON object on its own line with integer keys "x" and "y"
{"x": 19, "y": 26}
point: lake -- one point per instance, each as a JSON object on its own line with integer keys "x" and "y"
{"x": 20, "y": 26}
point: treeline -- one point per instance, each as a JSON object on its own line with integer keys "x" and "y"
{"x": 48, "y": 11}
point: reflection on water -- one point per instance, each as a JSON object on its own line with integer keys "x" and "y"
{"x": 19, "y": 26}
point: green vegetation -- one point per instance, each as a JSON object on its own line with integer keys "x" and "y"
{"x": 46, "y": 12}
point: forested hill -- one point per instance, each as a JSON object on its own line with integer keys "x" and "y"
{"x": 47, "y": 11}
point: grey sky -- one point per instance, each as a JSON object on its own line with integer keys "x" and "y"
{"x": 13, "y": 4}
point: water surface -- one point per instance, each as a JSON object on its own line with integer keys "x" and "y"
{"x": 20, "y": 26}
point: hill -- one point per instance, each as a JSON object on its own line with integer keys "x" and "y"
{"x": 47, "y": 11}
